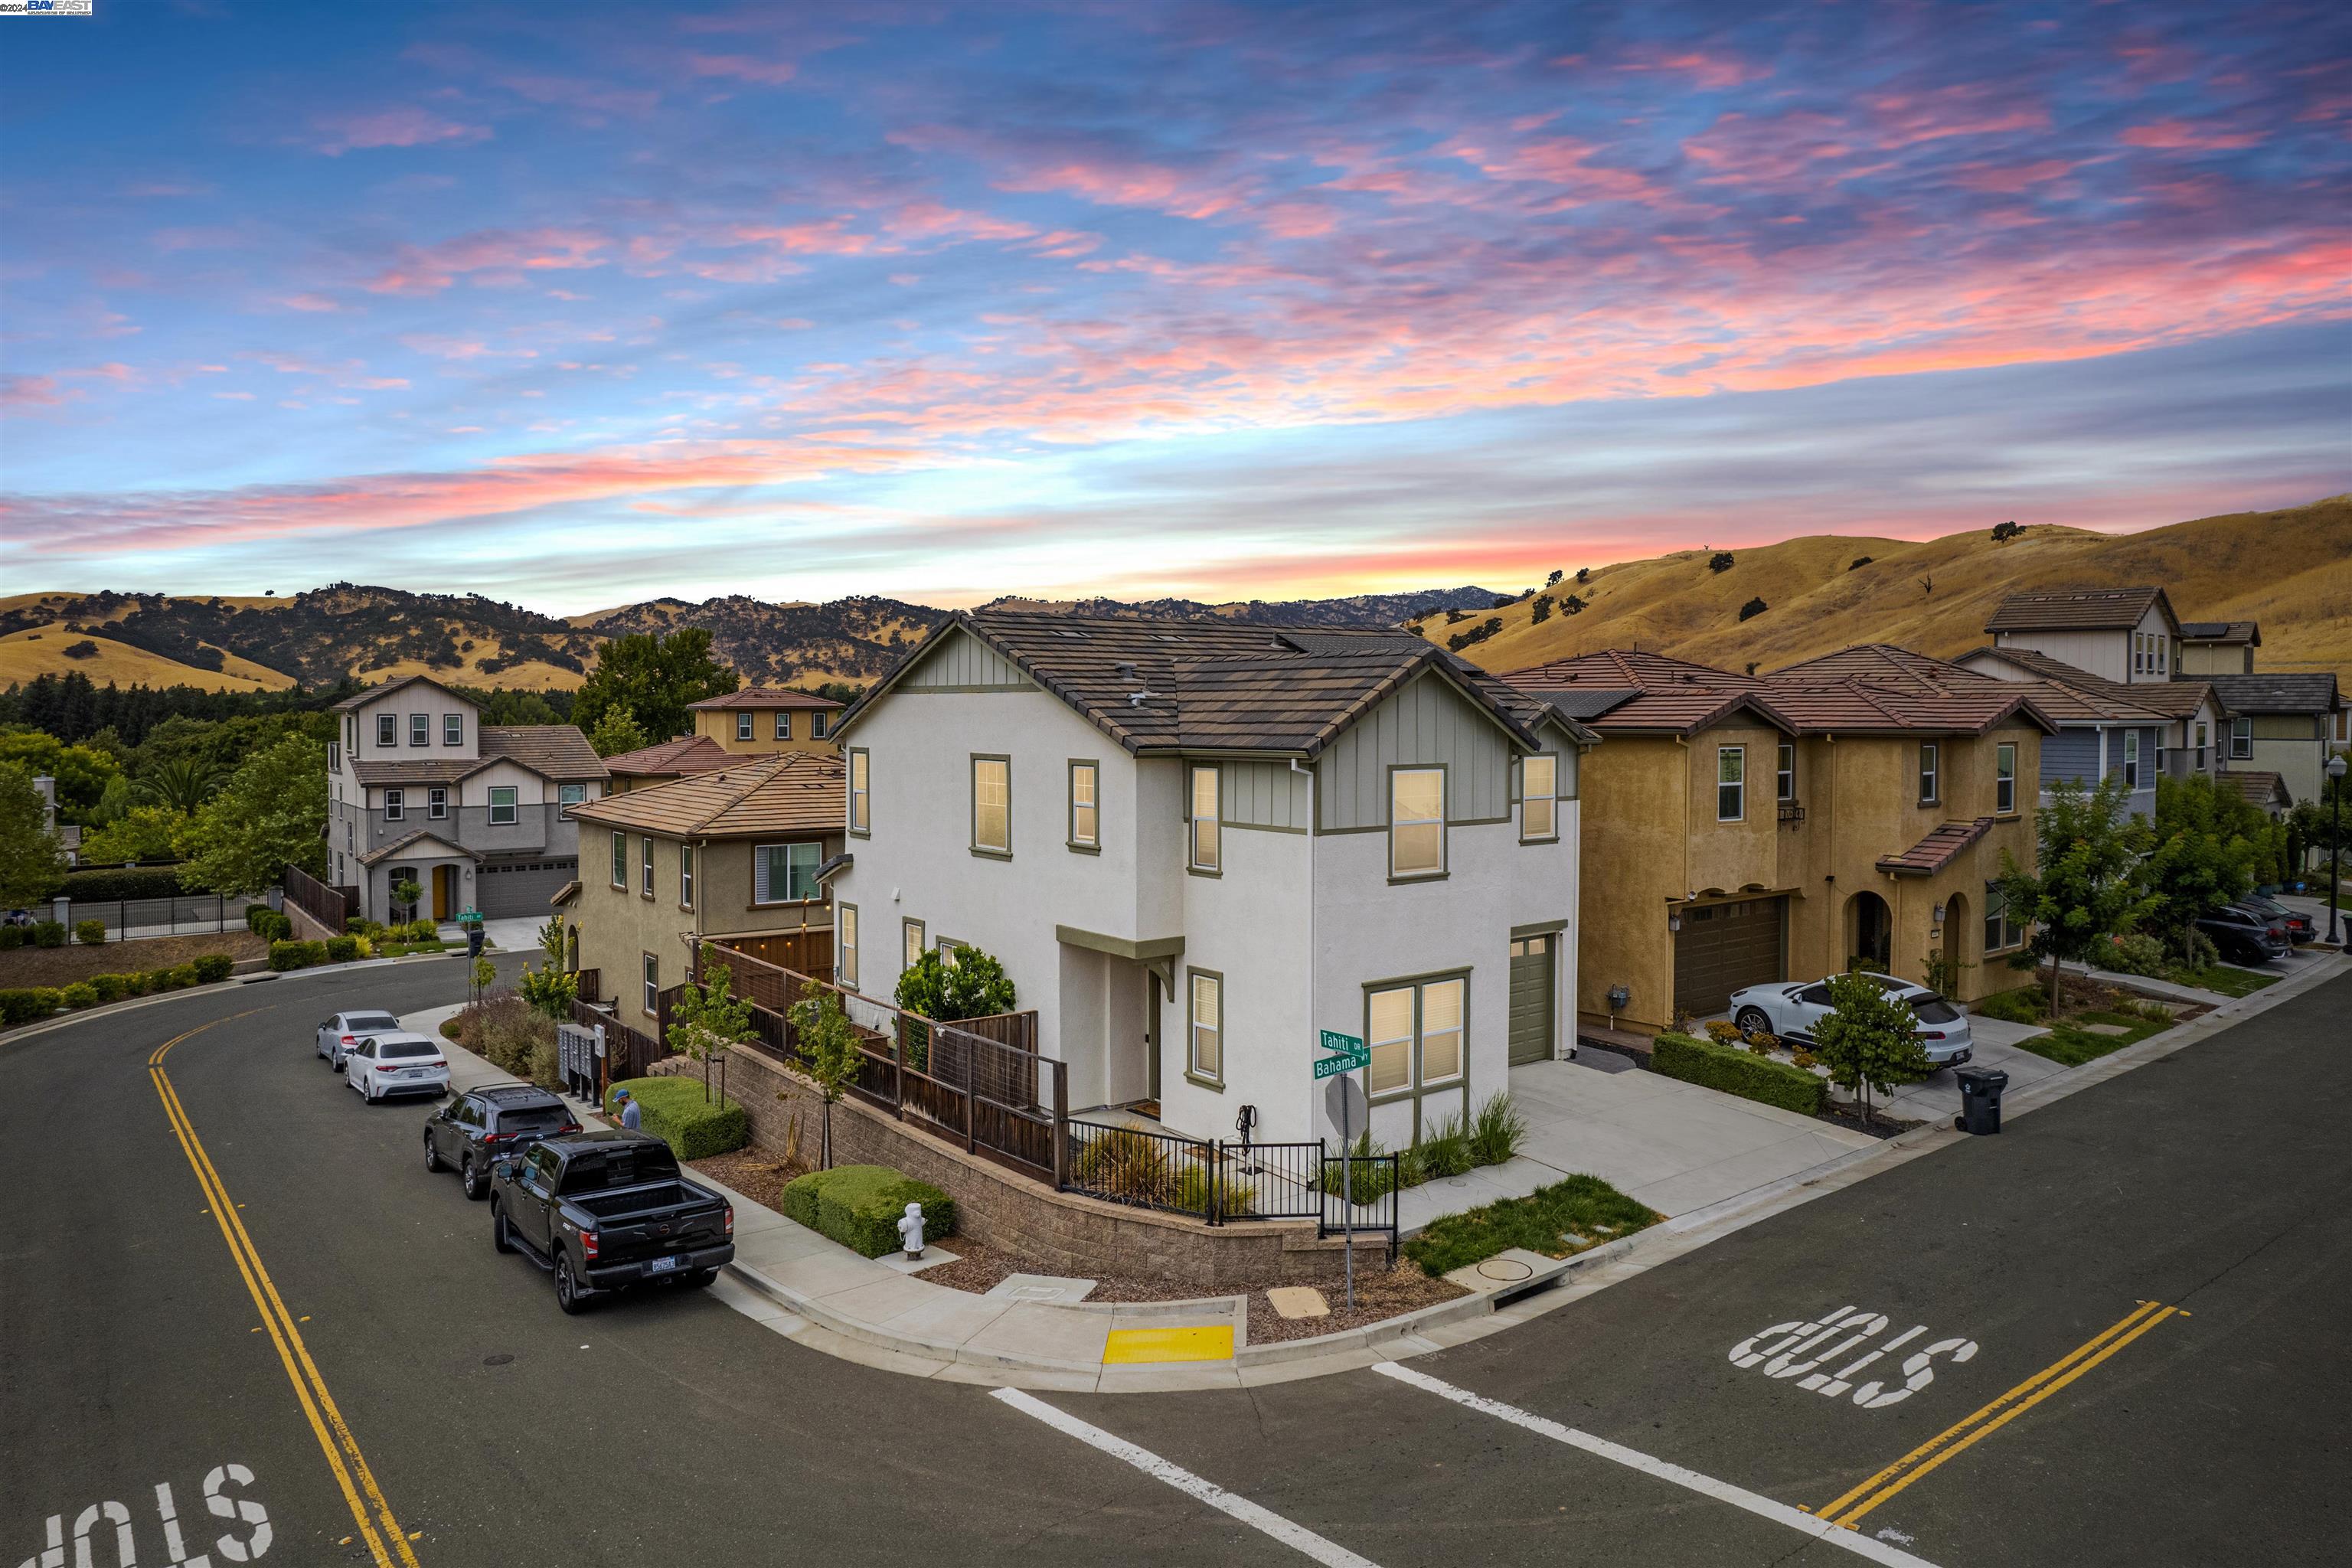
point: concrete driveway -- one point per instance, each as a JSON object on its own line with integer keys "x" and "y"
{"x": 1938, "y": 1098}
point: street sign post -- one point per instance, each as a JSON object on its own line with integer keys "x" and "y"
{"x": 1349, "y": 1053}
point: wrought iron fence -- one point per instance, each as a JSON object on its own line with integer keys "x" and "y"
{"x": 126, "y": 919}
{"x": 1221, "y": 1183}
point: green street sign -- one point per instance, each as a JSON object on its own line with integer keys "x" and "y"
{"x": 1332, "y": 1067}
{"x": 1348, "y": 1053}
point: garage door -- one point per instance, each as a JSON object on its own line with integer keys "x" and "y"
{"x": 1723, "y": 947}
{"x": 505, "y": 889}
{"x": 1531, "y": 991}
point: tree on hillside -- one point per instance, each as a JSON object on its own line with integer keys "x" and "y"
{"x": 655, "y": 678}
{"x": 617, "y": 731}
{"x": 271, "y": 813}
{"x": 2003, "y": 532}
{"x": 1870, "y": 1041}
{"x": 2204, "y": 855}
{"x": 32, "y": 865}
{"x": 2084, "y": 886}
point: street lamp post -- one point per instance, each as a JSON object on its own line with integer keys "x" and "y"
{"x": 2335, "y": 839}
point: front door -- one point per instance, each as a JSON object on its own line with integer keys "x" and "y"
{"x": 1531, "y": 994}
{"x": 445, "y": 891}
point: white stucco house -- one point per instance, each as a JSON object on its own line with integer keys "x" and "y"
{"x": 477, "y": 815}
{"x": 1194, "y": 845}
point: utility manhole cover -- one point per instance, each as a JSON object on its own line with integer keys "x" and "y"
{"x": 1508, "y": 1270}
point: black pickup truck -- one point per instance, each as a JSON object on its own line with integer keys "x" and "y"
{"x": 605, "y": 1210}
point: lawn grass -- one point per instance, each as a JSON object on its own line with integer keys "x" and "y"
{"x": 2221, "y": 977}
{"x": 2072, "y": 1046}
{"x": 1585, "y": 1207}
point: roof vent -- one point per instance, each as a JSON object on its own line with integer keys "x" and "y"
{"x": 1126, "y": 669}
{"x": 1137, "y": 699}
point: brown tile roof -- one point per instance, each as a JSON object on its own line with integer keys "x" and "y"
{"x": 1863, "y": 689}
{"x": 552, "y": 751}
{"x": 1655, "y": 695}
{"x": 2229, "y": 634}
{"x": 386, "y": 689}
{"x": 407, "y": 841}
{"x": 764, "y": 696}
{"x": 2260, "y": 787}
{"x": 672, "y": 759}
{"x": 1933, "y": 853}
{"x": 791, "y": 793}
{"x": 2108, "y": 698}
{"x": 1883, "y": 664}
{"x": 2088, "y": 609}
{"x": 1168, "y": 685}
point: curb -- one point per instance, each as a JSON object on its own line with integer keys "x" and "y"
{"x": 815, "y": 1312}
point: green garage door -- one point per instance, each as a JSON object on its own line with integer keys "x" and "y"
{"x": 1531, "y": 990}
{"x": 1723, "y": 947}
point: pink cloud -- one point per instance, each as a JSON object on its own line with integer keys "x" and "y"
{"x": 744, "y": 67}
{"x": 407, "y": 127}
{"x": 2011, "y": 179}
{"x": 2180, "y": 135}
{"x": 317, "y": 303}
{"x": 1712, "y": 71}
{"x": 587, "y": 96}
{"x": 1905, "y": 119}
{"x": 427, "y": 269}
{"x": 29, "y": 391}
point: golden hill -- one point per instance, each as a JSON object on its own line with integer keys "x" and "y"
{"x": 41, "y": 650}
{"x": 2290, "y": 569}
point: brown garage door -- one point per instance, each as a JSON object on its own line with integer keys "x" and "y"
{"x": 1723, "y": 947}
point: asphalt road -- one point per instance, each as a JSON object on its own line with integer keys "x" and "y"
{"x": 664, "y": 1427}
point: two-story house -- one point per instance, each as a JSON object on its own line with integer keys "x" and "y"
{"x": 732, "y": 853}
{"x": 757, "y": 721}
{"x": 1745, "y": 830}
{"x": 1195, "y": 845}
{"x": 2108, "y": 730}
{"x": 667, "y": 759}
{"x": 478, "y": 815}
{"x": 2219, "y": 647}
{"x": 2282, "y": 722}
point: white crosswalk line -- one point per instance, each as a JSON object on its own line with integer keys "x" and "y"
{"x": 1296, "y": 1536}
{"x": 1796, "y": 1519}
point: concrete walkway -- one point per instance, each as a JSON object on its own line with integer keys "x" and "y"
{"x": 507, "y": 936}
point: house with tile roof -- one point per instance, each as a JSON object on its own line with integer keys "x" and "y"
{"x": 2126, "y": 634}
{"x": 478, "y": 815}
{"x": 1194, "y": 845}
{"x": 2139, "y": 732}
{"x": 667, "y": 759}
{"x": 2219, "y": 647}
{"x": 757, "y": 721}
{"x": 1742, "y": 829}
{"x": 2283, "y": 723}
{"x": 731, "y": 852}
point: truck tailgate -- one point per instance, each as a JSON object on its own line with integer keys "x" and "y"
{"x": 648, "y": 1222}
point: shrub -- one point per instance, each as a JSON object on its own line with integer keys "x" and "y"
{"x": 675, "y": 1111}
{"x": 547, "y": 1067}
{"x": 184, "y": 975}
{"x": 11, "y": 937}
{"x": 2026, "y": 1004}
{"x": 89, "y": 933}
{"x": 342, "y": 949}
{"x": 268, "y": 923}
{"x": 1753, "y": 608}
{"x": 213, "y": 967}
{"x": 108, "y": 884}
{"x": 1131, "y": 1164}
{"x": 284, "y": 955}
{"x": 49, "y": 933}
{"x": 135, "y": 983}
{"x": 109, "y": 987}
{"x": 1763, "y": 1043}
{"x": 1738, "y": 1072}
{"x": 860, "y": 1205}
{"x": 1234, "y": 1194}
{"x": 1722, "y": 1033}
{"x": 1544, "y": 1221}
{"x": 27, "y": 1003}
{"x": 1497, "y": 1131}
{"x": 1719, "y": 561}
{"x": 420, "y": 931}
{"x": 2137, "y": 953}
{"x": 81, "y": 993}
{"x": 1446, "y": 1152}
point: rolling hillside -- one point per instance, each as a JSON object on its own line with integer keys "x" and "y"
{"x": 2290, "y": 569}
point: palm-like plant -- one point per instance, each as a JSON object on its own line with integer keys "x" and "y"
{"x": 181, "y": 784}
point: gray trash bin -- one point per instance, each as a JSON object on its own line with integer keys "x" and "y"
{"x": 1979, "y": 1098}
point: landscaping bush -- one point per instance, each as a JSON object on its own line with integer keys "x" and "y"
{"x": 676, "y": 1112}
{"x": 135, "y": 983}
{"x": 268, "y": 923}
{"x": 2137, "y": 953}
{"x": 420, "y": 931}
{"x": 1723, "y": 1033}
{"x": 89, "y": 933}
{"x": 1545, "y": 1221}
{"x": 285, "y": 955}
{"x": 11, "y": 937}
{"x": 342, "y": 949}
{"x": 1446, "y": 1152}
{"x": 1739, "y": 1072}
{"x": 1498, "y": 1130}
{"x": 49, "y": 933}
{"x": 181, "y": 975}
{"x": 1234, "y": 1194}
{"x": 105, "y": 886}
{"x": 547, "y": 1067}
{"x": 27, "y": 1003}
{"x": 81, "y": 993}
{"x": 860, "y": 1205}
{"x": 1129, "y": 1163}
{"x": 213, "y": 967}
{"x": 2026, "y": 1004}
{"x": 109, "y": 987}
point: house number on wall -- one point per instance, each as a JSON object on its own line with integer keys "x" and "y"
{"x": 1807, "y": 1351}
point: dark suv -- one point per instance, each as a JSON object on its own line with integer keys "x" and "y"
{"x": 478, "y": 1129}
{"x": 2241, "y": 936}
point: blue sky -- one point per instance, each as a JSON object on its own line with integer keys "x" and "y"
{"x": 579, "y": 304}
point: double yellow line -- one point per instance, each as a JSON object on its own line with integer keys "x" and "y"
{"x": 386, "y": 1540}
{"x": 1850, "y": 1507}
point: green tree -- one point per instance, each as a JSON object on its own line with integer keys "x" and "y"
{"x": 271, "y": 813}
{"x": 142, "y": 833}
{"x": 1869, "y": 1041}
{"x": 181, "y": 783}
{"x": 114, "y": 801}
{"x": 550, "y": 991}
{"x": 654, "y": 677}
{"x": 973, "y": 986}
{"x": 407, "y": 893}
{"x": 2203, "y": 857}
{"x": 709, "y": 1019}
{"x": 830, "y": 1053}
{"x": 616, "y": 731}
{"x": 2084, "y": 886}
{"x": 32, "y": 865}
{"x": 81, "y": 772}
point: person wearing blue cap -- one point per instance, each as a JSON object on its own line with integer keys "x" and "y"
{"x": 630, "y": 1115}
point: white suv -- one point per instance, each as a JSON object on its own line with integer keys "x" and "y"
{"x": 395, "y": 1062}
{"x": 344, "y": 1030}
{"x": 1791, "y": 1011}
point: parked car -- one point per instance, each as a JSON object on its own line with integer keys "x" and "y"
{"x": 2300, "y": 927}
{"x": 2242, "y": 936}
{"x": 475, "y": 1131}
{"x": 1791, "y": 1011}
{"x": 397, "y": 1062}
{"x": 344, "y": 1030}
{"x": 605, "y": 1210}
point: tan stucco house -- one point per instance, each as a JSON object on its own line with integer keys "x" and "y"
{"x": 729, "y": 853}
{"x": 1744, "y": 830}
{"x": 758, "y": 720}
{"x": 667, "y": 759}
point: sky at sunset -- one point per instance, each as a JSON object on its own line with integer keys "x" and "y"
{"x": 580, "y": 303}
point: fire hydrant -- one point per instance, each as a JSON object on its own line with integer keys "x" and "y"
{"x": 910, "y": 1230}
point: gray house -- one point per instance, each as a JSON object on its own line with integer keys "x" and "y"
{"x": 478, "y": 815}
{"x": 2282, "y": 723}
{"x": 2107, "y": 729}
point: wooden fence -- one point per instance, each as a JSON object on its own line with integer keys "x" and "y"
{"x": 331, "y": 906}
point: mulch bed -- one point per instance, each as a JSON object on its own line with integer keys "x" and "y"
{"x": 754, "y": 1173}
{"x": 64, "y": 965}
{"x": 1879, "y": 1125}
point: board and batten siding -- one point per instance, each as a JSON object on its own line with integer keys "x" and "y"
{"x": 961, "y": 662}
{"x": 1263, "y": 794}
{"x": 2070, "y": 755}
{"x": 1427, "y": 722}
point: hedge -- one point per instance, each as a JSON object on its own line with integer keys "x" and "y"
{"x": 342, "y": 949}
{"x": 213, "y": 967}
{"x": 1740, "y": 1072}
{"x": 11, "y": 937}
{"x": 675, "y": 1111}
{"x": 860, "y": 1206}
{"x": 49, "y": 933}
{"x": 285, "y": 955}
{"x": 27, "y": 1003}
{"x": 106, "y": 885}
{"x": 268, "y": 923}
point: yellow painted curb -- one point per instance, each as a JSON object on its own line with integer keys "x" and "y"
{"x": 1209, "y": 1342}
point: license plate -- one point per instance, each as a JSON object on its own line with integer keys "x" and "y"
{"x": 661, "y": 1265}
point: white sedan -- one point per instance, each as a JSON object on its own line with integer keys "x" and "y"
{"x": 395, "y": 1062}
{"x": 1791, "y": 1011}
{"x": 344, "y": 1030}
